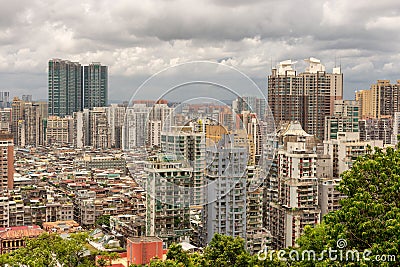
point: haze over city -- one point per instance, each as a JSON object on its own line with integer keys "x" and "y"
{"x": 137, "y": 39}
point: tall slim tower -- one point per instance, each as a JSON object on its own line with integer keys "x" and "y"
{"x": 225, "y": 194}
{"x": 95, "y": 85}
{"x": 167, "y": 198}
{"x": 6, "y": 161}
{"x": 134, "y": 131}
{"x": 65, "y": 87}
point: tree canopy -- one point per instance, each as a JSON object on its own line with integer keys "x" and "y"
{"x": 50, "y": 250}
{"x": 369, "y": 218}
{"x": 221, "y": 251}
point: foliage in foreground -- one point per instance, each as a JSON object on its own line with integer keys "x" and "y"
{"x": 370, "y": 215}
{"x": 223, "y": 251}
{"x": 51, "y": 250}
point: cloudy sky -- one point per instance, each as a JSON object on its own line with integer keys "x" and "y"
{"x": 139, "y": 38}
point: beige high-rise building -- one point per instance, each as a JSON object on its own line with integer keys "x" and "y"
{"x": 27, "y": 122}
{"x": 99, "y": 130}
{"x": 291, "y": 191}
{"x": 17, "y": 115}
{"x": 59, "y": 130}
{"x": 345, "y": 149}
{"x": 381, "y": 100}
{"x": 6, "y": 161}
{"x": 33, "y": 123}
{"x": 5, "y": 119}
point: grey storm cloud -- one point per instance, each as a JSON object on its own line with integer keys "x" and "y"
{"x": 139, "y": 38}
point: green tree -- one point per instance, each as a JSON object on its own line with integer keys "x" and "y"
{"x": 107, "y": 258}
{"x": 228, "y": 251}
{"x": 50, "y": 250}
{"x": 369, "y": 218}
{"x": 176, "y": 253}
{"x": 103, "y": 220}
{"x": 224, "y": 250}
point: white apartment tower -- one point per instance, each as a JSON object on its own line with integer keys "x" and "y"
{"x": 292, "y": 187}
{"x": 167, "y": 198}
{"x": 134, "y": 131}
{"x": 189, "y": 146}
{"x": 225, "y": 194}
{"x": 160, "y": 118}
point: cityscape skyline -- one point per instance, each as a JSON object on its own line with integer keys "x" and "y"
{"x": 199, "y": 133}
{"x": 354, "y": 36}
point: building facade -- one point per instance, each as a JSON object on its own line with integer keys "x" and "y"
{"x": 225, "y": 190}
{"x": 6, "y": 161}
{"x": 291, "y": 198}
{"x": 95, "y": 85}
{"x": 306, "y": 97}
{"x": 345, "y": 118}
{"x": 64, "y": 87}
{"x": 168, "y": 198}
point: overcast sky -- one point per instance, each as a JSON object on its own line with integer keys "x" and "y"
{"x": 138, "y": 38}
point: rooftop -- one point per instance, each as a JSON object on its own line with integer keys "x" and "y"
{"x": 19, "y": 232}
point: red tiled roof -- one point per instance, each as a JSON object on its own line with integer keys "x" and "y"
{"x": 19, "y": 232}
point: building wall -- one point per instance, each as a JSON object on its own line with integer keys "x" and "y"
{"x": 64, "y": 87}
{"x": 95, "y": 85}
{"x": 306, "y": 97}
{"x": 6, "y": 161}
{"x": 141, "y": 252}
{"x": 225, "y": 209}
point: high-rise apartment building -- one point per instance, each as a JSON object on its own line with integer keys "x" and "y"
{"x": 250, "y": 103}
{"x": 377, "y": 129}
{"x": 95, "y": 85}
{"x": 115, "y": 117}
{"x": 134, "y": 131}
{"x": 99, "y": 131}
{"x": 27, "y": 123}
{"x": 33, "y": 123}
{"x": 6, "y": 161}
{"x": 396, "y": 128}
{"x": 190, "y": 147}
{"x": 17, "y": 116}
{"x": 255, "y": 232}
{"x": 381, "y": 100}
{"x": 59, "y": 130}
{"x": 64, "y": 87}
{"x": 5, "y": 120}
{"x": 225, "y": 192}
{"x": 81, "y": 129}
{"x": 364, "y": 98}
{"x": 306, "y": 97}
{"x": 291, "y": 191}
{"x": 345, "y": 118}
{"x": 345, "y": 149}
{"x": 5, "y": 99}
{"x": 160, "y": 118}
{"x": 168, "y": 198}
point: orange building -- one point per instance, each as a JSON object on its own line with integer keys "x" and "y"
{"x": 140, "y": 250}
{"x": 12, "y": 238}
